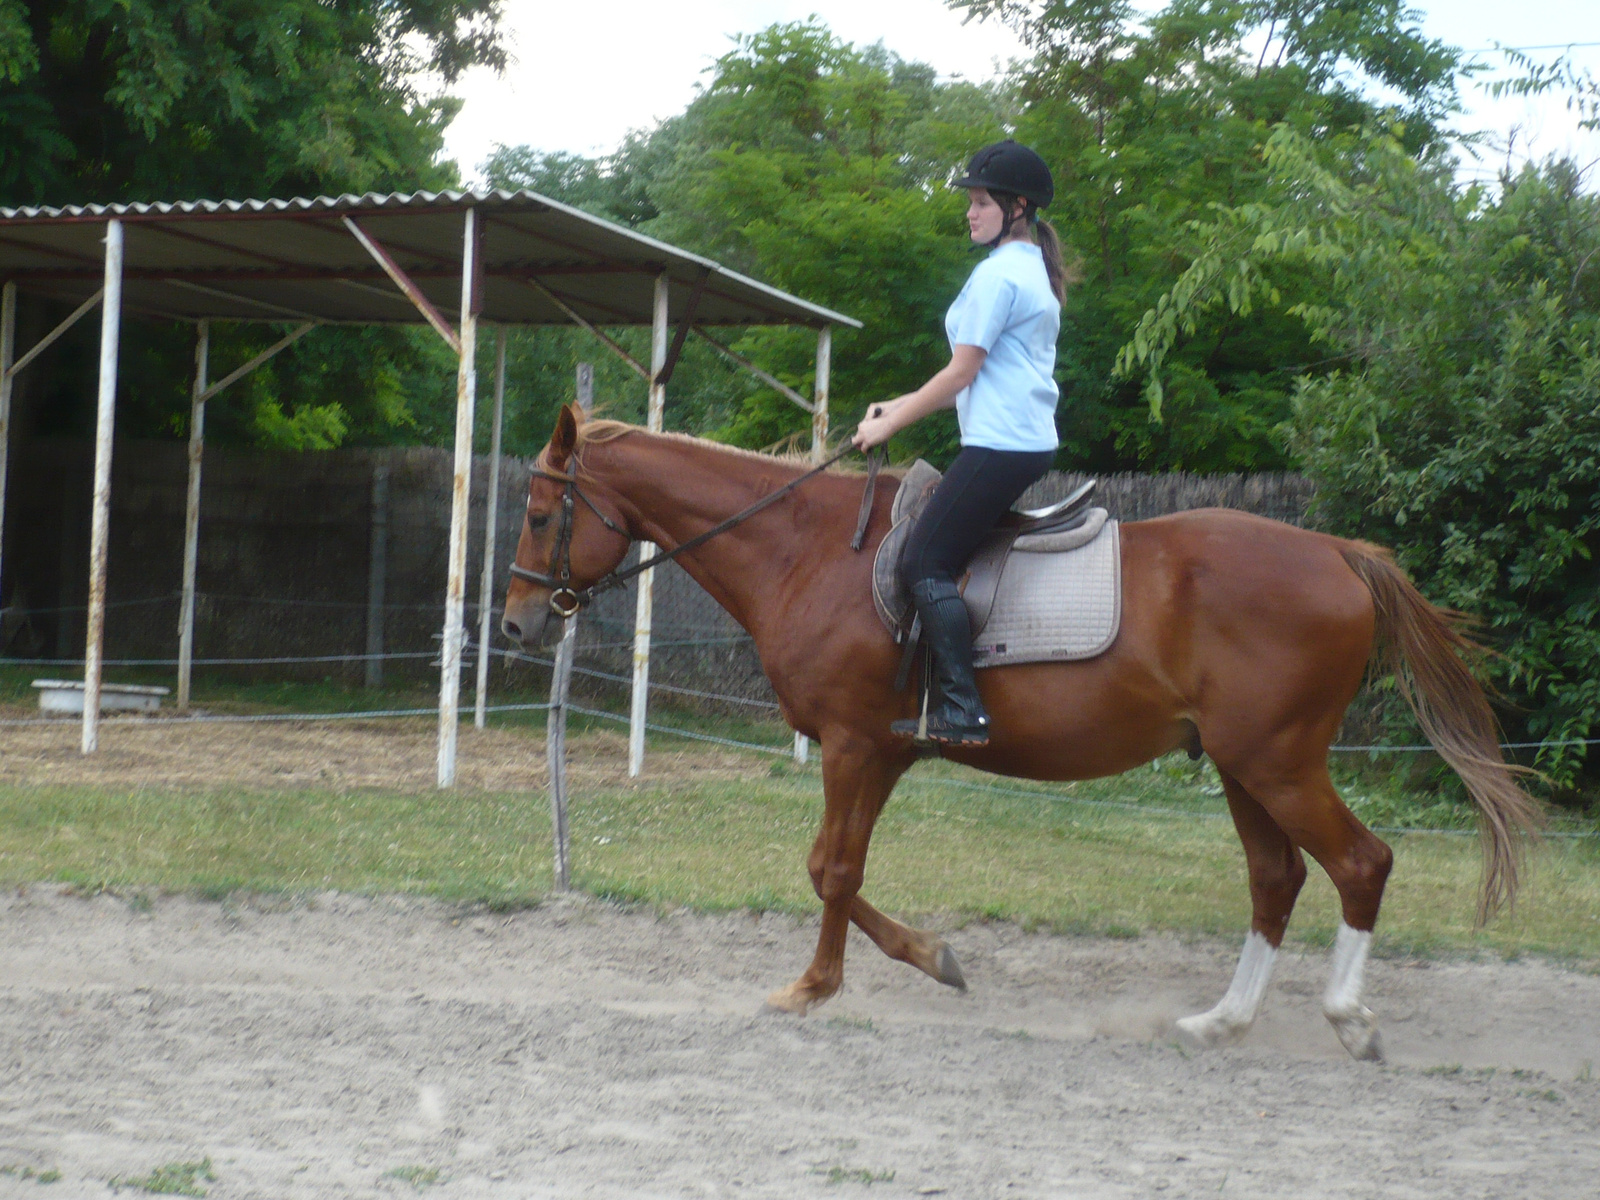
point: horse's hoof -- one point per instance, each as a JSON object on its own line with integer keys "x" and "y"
{"x": 1358, "y": 1032}
{"x": 791, "y": 1000}
{"x": 949, "y": 971}
{"x": 782, "y": 1001}
{"x": 1205, "y": 1031}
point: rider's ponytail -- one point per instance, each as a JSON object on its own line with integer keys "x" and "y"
{"x": 1044, "y": 236}
{"x": 1054, "y": 267}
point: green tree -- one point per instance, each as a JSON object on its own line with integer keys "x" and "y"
{"x": 1461, "y": 426}
{"x": 1149, "y": 121}
{"x": 116, "y": 100}
{"x": 104, "y": 100}
{"x": 819, "y": 167}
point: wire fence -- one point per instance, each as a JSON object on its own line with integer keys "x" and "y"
{"x": 778, "y": 751}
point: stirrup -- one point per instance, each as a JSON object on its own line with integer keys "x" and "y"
{"x": 959, "y": 735}
{"x": 927, "y": 731}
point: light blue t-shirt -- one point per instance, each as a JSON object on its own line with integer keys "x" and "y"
{"x": 1008, "y": 309}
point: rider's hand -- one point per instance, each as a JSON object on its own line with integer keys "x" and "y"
{"x": 875, "y": 430}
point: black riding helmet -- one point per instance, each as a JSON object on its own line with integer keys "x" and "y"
{"x": 1009, "y": 166}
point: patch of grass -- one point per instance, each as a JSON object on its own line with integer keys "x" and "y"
{"x": 48, "y": 1175}
{"x": 417, "y": 1177}
{"x": 1146, "y": 852}
{"x": 861, "y": 1024}
{"x": 835, "y": 1175}
{"x": 171, "y": 1179}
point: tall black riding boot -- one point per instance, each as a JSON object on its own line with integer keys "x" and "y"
{"x": 958, "y": 719}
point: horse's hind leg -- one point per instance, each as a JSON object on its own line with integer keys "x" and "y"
{"x": 1277, "y": 872}
{"x": 1311, "y": 813}
{"x": 923, "y": 950}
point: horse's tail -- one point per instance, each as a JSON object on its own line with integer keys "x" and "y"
{"x": 1422, "y": 647}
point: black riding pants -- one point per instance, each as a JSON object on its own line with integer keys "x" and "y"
{"x": 970, "y": 500}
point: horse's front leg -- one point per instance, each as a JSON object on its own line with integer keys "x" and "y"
{"x": 857, "y": 778}
{"x": 923, "y": 950}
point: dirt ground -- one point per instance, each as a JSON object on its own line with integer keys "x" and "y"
{"x": 344, "y": 1047}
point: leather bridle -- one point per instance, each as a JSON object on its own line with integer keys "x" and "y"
{"x": 566, "y": 601}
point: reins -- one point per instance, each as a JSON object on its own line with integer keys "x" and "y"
{"x": 566, "y": 601}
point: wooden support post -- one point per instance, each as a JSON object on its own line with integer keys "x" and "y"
{"x": 100, "y": 528}
{"x": 555, "y": 751}
{"x": 491, "y": 514}
{"x": 819, "y": 395}
{"x": 645, "y": 610}
{"x": 377, "y": 573}
{"x": 198, "y": 395}
{"x": 8, "y": 354}
{"x": 770, "y": 380}
{"x": 819, "y": 451}
{"x": 596, "y": 331}
{"x": 455, "y": 584}
{"x": 191, "y": 512}
{"x": 49, "y": 339}
{"x": 560, "y": 688}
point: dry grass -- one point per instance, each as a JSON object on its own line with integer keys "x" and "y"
{"x": 395, "y": 753}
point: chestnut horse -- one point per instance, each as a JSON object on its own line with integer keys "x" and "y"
{"x": 1241, "y": 635}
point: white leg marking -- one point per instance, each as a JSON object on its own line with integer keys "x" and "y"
{"x": 1341, "y": 1003}
{"x": 1231, "y": 1019}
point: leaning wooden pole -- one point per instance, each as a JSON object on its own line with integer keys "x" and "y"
{"x": 560, "y": 689}
{"x": 191, "y": 512}
{"x": 100, "y": 527}
{"x": 819, "y": 451}
{"x": 460, "y": 496}
{"x": 645, "y": 610}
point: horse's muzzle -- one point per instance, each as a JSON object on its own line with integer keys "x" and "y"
{"x": 531, "y": 625}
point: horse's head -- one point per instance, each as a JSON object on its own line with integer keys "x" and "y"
{"x": 571, "y": 536}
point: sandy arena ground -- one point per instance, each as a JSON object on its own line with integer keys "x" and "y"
{"x": 340, "y": 1047}
{"x": 343, "y": 1047}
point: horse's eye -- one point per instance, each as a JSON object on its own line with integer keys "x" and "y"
{"x": 538, "y": 520}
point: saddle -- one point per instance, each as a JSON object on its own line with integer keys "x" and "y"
{"x": 1068, "y": 525}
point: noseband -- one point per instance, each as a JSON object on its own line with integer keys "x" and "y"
{"x": 566, "y": 600}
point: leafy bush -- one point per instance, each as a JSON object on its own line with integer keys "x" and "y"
{"x": 1463, "y": 429}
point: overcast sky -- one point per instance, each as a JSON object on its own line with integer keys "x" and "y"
{"x": 583, "y": 77}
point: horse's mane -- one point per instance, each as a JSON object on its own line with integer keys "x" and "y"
{"x": 599, "y": 430}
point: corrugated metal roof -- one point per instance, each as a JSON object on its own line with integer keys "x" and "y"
{"x": 281, "y": 260}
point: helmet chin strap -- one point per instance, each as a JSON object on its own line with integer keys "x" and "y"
{"x": 1029, "y": 213}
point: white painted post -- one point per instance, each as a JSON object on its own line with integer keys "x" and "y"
{"x": 491, "y": 513}
{"x": 455, "y": 587}
{"x": 555, "y": 745}
{"x": 100, "y": 529}
{"x": 191, "y": 512}
{"x": 819, "y": 451}
{"x": 819, "y": 395}
{"x": 8, "y": 355}
{"x": 642, "y": 619}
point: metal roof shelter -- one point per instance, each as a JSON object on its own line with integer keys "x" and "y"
{"x": 509, "y": 258}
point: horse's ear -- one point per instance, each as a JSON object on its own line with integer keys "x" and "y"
{"x": 565, "y": 439}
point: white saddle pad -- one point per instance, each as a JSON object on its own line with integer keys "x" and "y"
{"x": 1054, "y": 605}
